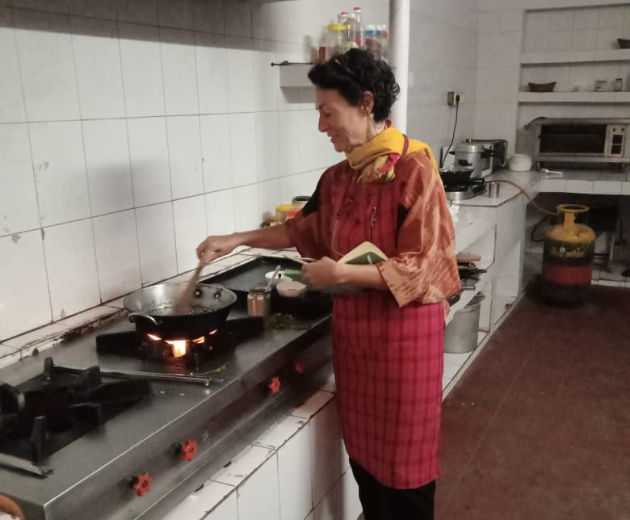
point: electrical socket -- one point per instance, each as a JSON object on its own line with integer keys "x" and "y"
{"x": 451, "y": 98}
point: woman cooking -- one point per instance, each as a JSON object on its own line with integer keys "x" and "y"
{"x": 388, "y": 339}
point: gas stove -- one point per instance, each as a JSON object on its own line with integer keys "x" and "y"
{"x": 117, "y": 424}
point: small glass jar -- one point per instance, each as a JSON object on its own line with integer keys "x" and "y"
{"x": 336, "y": 39}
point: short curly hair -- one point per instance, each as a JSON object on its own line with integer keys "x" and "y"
{"x": 354, "y": 73}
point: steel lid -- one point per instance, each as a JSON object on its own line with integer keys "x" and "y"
{"x": 471, "y": 147}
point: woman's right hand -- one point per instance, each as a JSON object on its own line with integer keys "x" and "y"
{"x": 216, "y": 246}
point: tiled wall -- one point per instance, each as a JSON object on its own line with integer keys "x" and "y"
{"x": 505, "y": 31}
{"x": 580, "y": 29}
{"x": 443, "y": 57}
{"x": 131, "y": 129}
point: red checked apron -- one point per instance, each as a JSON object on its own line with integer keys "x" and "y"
{"x": 388, "y": 360}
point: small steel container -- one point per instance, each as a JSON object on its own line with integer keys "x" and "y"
{"x": 259, "y": 302}
{"x": 493, "y": 189}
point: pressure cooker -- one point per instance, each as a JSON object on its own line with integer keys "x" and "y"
{"x": 480, "y": 155}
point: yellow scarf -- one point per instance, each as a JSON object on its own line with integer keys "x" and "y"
{"x": 376, "y": 158}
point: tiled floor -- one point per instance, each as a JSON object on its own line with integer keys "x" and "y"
{"x": 539, "y": 426}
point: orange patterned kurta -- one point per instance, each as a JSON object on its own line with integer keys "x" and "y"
{"x": 388, "y": 345}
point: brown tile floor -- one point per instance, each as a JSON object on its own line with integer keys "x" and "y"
{"x": 538, "y": 428}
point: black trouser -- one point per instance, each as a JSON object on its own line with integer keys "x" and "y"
{"x": 385, "y": 503}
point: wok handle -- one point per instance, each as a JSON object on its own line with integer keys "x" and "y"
{"x": 132, "y": 317}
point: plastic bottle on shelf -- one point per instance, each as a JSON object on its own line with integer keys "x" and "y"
{"x": 384, "y": 36}
{"x": 355, "y": 33}
{"x": 336, "y": 40}
{"x": 372, "y": 38}
{"x": 342, "y": 17}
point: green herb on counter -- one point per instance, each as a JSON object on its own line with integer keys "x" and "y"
{"x": 281, "y": 321}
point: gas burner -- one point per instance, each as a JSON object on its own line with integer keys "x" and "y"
{"x": 45, "y": 414}
{"x": 180, "y": 352}
{"x": 464, "y": 190}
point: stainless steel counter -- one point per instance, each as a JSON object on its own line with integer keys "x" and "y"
{"x": 92, "y": 475}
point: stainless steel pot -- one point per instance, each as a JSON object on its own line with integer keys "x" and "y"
{"x": 460, "y": 335}
{"x": 152, "y": 310}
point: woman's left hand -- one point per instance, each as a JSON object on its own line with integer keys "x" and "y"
{"x": 321, "y": 274}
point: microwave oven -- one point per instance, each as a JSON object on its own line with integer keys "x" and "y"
{"x": 581, "y": 142}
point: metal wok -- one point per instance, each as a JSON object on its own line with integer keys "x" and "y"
{"x": 152, "y": 310}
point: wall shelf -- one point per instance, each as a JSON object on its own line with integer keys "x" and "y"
{"x": 558, "y": 58}
{"x": 573, "y": 97}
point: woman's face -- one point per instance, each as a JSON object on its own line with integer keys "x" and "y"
{"x": 347, "y": 126}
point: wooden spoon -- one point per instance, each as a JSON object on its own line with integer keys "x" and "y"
{"x": 182, "y": 305}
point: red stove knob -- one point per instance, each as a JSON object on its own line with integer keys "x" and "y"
{"x": 141, "y": 484}
{"x": 274, "y": 385}
{"x": 188, "y": 450}
{"x": 298, "y": 366}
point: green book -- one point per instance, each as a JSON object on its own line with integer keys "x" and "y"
{"x": 364, "y": 254}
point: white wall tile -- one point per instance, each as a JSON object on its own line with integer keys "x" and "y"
{"x": 142, "y": 70}
{"x": 586, "y": 19}
{"x": 176, "y": 13}
{"x": 104, "y": 9}
{"x": 584, "y": 40}
{"x": 149, "y": 160}
{"x": 99, "y": 74}
{"x": 267, "y": 145}
{"x": 350, "y": 504}
{"x": 489, "y": 22}
{"x": 294, "y": 471}
{"x": 211, "y": 73}
{"x": 209, "y": 16}
{"x": 216, "y": 152}
{"x": 511, "y": 21}
{"x": 137, "y": 11}
{"x": 268, "y": 197}
{"x": 289, "y": 187}
{"x": 246, "y": 212}
{"x": 60, "y": 175}
{"x": 226, "y": 510}
{"x": 309, "y": 135}
{"x": 24, "y": 299}
{"x": 243, "y": 465}
{"x": 258, "y": 496}
{"x": 238, "y": 19}
{"x": 108, "y": 169}
{"x": 280, "y": 433}
{"x": 156, "y": 242}
{"x": 12, "y": 100}
{"x": 289, "y": 142}
{"x": 243, "y": 141}
{"x": 561, "y": 20}
{"x": 220, "y": 212}
{"x": 18, "y": 202}
{"x": 560, "y": 41}
{"x": 330, "y": 506}
{"x": 47, "y": 65}
{"x": 308, "y": 181}
{"x": 537, "y": 21}
{"x": 190, "y": 230}
{"x": 185, "y": 156}
{"x": 325, "y": 455}
{"x": 117, "y": 255}
{"x": 71, "y": 267}
{"x": 240, "y": 74}
{"x": 267, "y": 77}
{"x": 53, "y": 6}
{"x": 179, "y": 72}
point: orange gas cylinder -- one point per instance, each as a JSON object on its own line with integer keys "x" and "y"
{"x": 568, "y": 257}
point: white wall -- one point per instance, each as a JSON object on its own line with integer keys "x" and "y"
{"x": 131, "y": 129}
{"x": 443, "y": 57}
{"x": 503, "y": 35}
